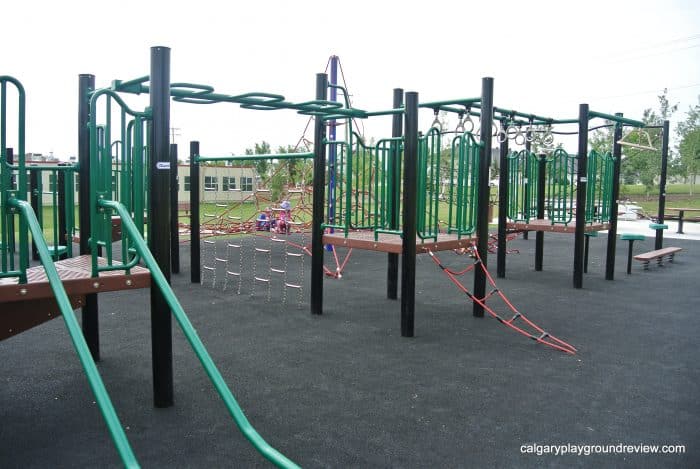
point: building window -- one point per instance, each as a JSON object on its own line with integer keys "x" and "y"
{"x": 187, "y": 183}
{"x": 77, "y": 183}
{"x": 246, "y": 184}
{"x": 115, "y": 186}
{"x": 211, "y": 183}
{"x": 52, "y": 182}
{"x": 228, "y": 183}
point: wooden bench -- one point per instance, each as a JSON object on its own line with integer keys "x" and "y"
{"x": 658, "y": 254}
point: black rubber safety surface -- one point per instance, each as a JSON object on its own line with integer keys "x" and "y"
{"x": 346, "y": 390}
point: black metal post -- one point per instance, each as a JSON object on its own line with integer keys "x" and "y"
{"x": 195, "y": 247}
{"x": 410, "y": 198}
{"x": 581, "y": 184}
{"x": 319, "y": 187}
{"x": 615, "y": 196}
{"x": 63, "y": 238}
{"x": 659, "y": 241}
{"x": 34, "y": 194}
{"x": 159, "y": 224}
{"x": 392, "y": 274}
{"x": 174, "y": 217}
{"x": 541, "y": 184}
{"x": 526, "y": 182}
{"x": 482, "y": 220}
{"x": 90, "y": 318}
{"x": 502, "y": 210}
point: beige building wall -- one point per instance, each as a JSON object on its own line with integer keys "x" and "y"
{"x": 218, "y": 184}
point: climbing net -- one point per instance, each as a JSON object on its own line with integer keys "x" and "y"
{"x": 241, "y": 254}
{"x": 518, "y": 321}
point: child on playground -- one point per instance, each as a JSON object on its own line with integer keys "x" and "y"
{"x": 285, "y": 214}
{"x": 264, "y": 220}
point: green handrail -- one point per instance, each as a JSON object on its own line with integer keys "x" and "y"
{"x": 599, "y": 188}
{"x": 522, "y": 185}
{"x": 217, "y": 380}
{"x": 385, "y": 202}
{"x": 98, "y": 388}
{"x": 561, "y": 187}
{"x": 6, "y": 192}
{"x": 428, "y": 184}
{"x": 462, "y": 198}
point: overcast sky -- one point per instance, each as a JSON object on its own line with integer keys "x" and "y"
{"x": 546, "y": 57}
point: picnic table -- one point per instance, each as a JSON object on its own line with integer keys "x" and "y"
{"x": 681, "y": 213}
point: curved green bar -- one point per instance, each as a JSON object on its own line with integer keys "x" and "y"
{"x": 217, "y": 380}
{"x": 599, "y": 188}
{"x": 76, "y": 335}
{"x": 522, "y": 185}
{"x": 561, "y": 187}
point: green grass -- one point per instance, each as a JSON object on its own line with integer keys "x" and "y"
{"x": 677, "y": 195}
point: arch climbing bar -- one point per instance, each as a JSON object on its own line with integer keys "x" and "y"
{"x": 6, "y": 175}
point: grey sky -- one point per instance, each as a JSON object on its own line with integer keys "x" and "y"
{"x": 546, "y": 57}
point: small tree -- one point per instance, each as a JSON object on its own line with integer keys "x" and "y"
{"x": 644, "y": 165}
{"x": 688, "y": 132}
{"x": 262, "y": 167}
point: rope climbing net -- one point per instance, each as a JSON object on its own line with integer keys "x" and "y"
{"x": 517, "y": 321}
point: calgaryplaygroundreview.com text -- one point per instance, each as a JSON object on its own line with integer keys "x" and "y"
{"x": 537, "y": 449}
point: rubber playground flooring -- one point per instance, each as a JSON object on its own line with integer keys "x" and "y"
{"x": 346, "y": 390}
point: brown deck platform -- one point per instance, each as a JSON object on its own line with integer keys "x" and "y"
{"x": 546, "y": 225}
{"x": 393, "y": 243}
{"x": 27, "y": 305}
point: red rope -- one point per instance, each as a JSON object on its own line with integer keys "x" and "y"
{"x": 543, "y": 337}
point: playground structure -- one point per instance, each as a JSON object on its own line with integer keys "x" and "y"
{"x": 65, "y": 284}
{"x": 399, "y": 196}
{"x": 565, "y": 193}
{"x": 360, "y": 190}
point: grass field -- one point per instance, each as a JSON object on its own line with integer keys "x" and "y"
{"x": 677, "y": 195}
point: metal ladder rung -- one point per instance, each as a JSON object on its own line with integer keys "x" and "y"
{"x": 278, "y": 240}
{"x": 262, "y": 250}
{"x": 279, "y": 271}
{"x": 266, "y": 280}
{"x": 233, "y": 218}
{"x": 208, "y": 268}
{"x": 236, "y": 274}
{"x": 294, "y": 254}
{"x": 233, "y": 245}
{"x": 212, "y": 215}
{"x": 221, "y": 205}
{"x": 295, "y": 191}
{"x": 263, "y": 190}
{"x": 291, "y": 285}
{"x": 208, "y": 242}
{"x": 219, "y": 259}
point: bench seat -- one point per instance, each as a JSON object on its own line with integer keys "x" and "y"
{"x": 658, "y": 254}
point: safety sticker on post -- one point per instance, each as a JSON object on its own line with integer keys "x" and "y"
{"x": 163, "y": 165}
